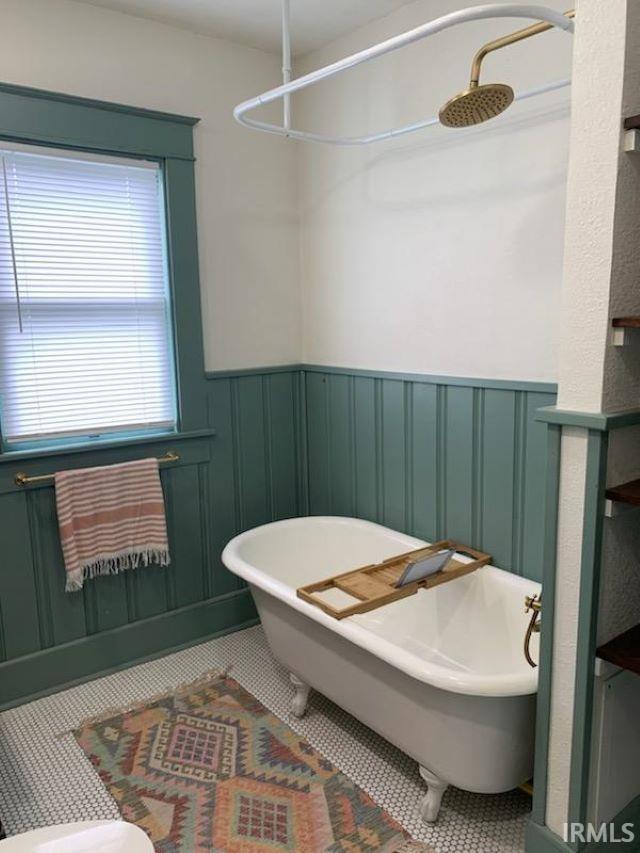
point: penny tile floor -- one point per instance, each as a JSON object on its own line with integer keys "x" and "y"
{"x": 46, "y": 780}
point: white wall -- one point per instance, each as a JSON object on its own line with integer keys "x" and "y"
{"x": 442, "y": 252}
{"x": 245, "y": 182}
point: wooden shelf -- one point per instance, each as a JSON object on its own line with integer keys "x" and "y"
{"x": 620, "y": 325}
{"x": 626, "y": 322}
{"x": 624, "y": 651}
{"x": 627, "y": 493}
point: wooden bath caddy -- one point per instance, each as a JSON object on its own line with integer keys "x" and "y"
{"x": 375, "y": 585}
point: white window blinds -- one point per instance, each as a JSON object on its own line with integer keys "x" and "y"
{"x": 85, "y": 336}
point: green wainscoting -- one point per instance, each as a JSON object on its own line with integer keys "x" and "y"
{"x": 243, "y": 475}
{"x": 433, "y": 456}
{"x": 255, "y": 472}
{"x": 416, "y": 453}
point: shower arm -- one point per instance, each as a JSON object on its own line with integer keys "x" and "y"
{"x": 505, "y": 41}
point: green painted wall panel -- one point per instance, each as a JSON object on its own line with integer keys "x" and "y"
{"x": 365, "y": 449}
{"x": 279, "y": 394}
{"x": 18, "y": 602}
{"x": 424, "y": 456}
{"x": 254, "y": 473}
{"x": 341, "y": 449}
{"x": 63, "y": 665}
{"x": 187, "y": 575}
{"x": 63, "y": 616}
{"x": 460, "y": 465}
{"x": 247, "y": 474}
{"x": 320, "y": 465}
{"x": 248, "y": 402}
{"x": 111, "y": 603}
{"x": 223, "y": 486}
{"x": 535, "y": 486}
{"x": 394, "y": 454}
{"x": 428, "y": 458}
{"x": 497, "y": 469}
{"x": 434, "y": 460}
{"x": 150, "y": 584}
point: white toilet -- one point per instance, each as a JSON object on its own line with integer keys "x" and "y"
{"x": 91, "y": 836}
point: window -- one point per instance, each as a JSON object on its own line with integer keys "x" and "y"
{"x": 85, "y": 328}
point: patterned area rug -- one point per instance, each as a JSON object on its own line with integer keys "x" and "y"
{"x": 208, "y": 768}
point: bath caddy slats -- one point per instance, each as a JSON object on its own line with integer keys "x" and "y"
{"x": 375, "y": 585}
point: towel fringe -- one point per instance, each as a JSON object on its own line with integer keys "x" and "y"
{"x": 116, "y": 563}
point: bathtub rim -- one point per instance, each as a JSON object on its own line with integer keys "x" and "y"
{"x": 499, "y": 685}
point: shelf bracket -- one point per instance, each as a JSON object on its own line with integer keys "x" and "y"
{"x": 614, "y": 509}
{"x": 632, "y": 141}
{"x": 619, "y": 337}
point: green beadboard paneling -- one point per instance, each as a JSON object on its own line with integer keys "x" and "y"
{"x": 535, "y": 486}
{"x": 429, "y": 458}
{"x": 321, "y": 467}
{"x": 20, "y": 623}
{"x": 424, "y": 458}
{"x": 244, "y": 474}
{"x": 497, "y": 509}
{"x": 279, "y": 400}
{"x": 225, "y": 508}
{"x": 341, "y": 429}
{"x": 365, "y": 447}
{"x": 461, "y": 466}
{"x": 254, "y": 472}
{"x": 63, "y": 665}
{"x": 393, "y": 450}
{"x": 432, "y": 459}
{"x": 252, "y": 457}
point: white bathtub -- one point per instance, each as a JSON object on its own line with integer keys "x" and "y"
{"x": 440, "y": 674}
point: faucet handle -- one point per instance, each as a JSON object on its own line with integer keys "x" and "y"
{"x": 532, "y": 602}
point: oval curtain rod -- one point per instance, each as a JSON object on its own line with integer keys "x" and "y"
{"x": 473, "y": 13}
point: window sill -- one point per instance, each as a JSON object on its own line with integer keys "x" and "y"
{"x": 87, "y": 446}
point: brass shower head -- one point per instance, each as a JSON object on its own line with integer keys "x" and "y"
{"x": 481, "y": 103}
{"x": 476, "y": 104}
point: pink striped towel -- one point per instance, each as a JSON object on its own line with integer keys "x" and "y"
{"x": 111, "y": 519}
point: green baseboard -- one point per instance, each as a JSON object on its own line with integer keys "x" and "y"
{"x": 540, "y": 839}
{"x": 57, "y": 668}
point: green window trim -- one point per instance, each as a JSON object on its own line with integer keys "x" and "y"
{"x": 37, "y": 117}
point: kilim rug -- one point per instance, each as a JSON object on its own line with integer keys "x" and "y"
{"x": 209, "y": 768}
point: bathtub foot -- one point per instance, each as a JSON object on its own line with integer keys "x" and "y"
{"x": 430, "y": 805}
{"x": 299, "y": 701}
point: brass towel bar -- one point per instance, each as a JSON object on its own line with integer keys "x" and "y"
{"x": 22, "y": 479}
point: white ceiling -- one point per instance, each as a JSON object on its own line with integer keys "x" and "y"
{"x": 258, "y": 22}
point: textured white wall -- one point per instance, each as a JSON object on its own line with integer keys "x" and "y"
{"x": 247, "y": 215}
{"x": 441, "y": 252}
{"x": 601, "y": 271}
{"x": 598, "y": 81}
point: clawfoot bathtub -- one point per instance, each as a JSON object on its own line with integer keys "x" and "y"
{"x": 440, "y": 674}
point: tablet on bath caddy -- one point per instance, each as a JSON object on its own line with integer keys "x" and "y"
{"x": 424, "y": 567}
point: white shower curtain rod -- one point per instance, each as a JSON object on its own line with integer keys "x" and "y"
{"x": 473, "y": 13}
